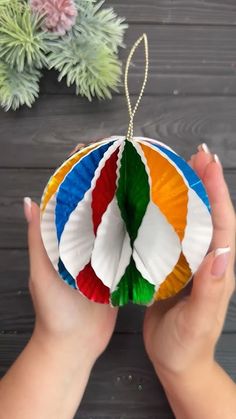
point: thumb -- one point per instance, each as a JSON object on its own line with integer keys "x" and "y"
{"x": 40, "y": 264}
{"x": 210, "y": 293}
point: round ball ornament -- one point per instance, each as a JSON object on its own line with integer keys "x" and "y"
{"x": 126, "y": 218}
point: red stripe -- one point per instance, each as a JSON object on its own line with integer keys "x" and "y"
{"x": 104, "y": 190}
{"x": 91, "y": 286}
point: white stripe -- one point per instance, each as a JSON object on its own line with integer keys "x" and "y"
{"x": 77, "y": 239}
{"x": 105, "y": 141}
{"x": 48, "y": 227}
{"x": 48, "y": 232}
{"x": 141, "y": 139}
{"x": 112, "y": 250}
{"x": 157, "y": 247}
{"x": 198, "y": 231}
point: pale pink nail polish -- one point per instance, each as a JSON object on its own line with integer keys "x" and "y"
{"x": 77, "y": 148}
{"x": 216, "y": 159}
{"x": 27, "y": 208}
{"x": 220, "y": 262}
{"x": 204, "y": 147}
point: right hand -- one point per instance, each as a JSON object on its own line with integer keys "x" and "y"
{"x": 180, "y": 334}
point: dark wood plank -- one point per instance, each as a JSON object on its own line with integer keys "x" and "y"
{"x": 190, "y": 12}
{"x": 15, "y": 184}
{"x": 189, "y": 98}
{"x": 123, "y": 383}
{"x": 16, "y": 310}
{"x": 184, "y": 59}
{"x": 43, "y": 136}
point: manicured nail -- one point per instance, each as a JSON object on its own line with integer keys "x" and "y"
{"x": 204, "y": 147}
{"x": 220, "y": 262}
{"x": 77, "y": 148}
{"x": 216, "y": 159}
{"x": 27, "y": 208}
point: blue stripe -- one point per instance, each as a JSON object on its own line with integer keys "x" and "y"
{"x": 75, "y": 185}
{"x": 193, "y": 180}
{"x": 65, "y": 274}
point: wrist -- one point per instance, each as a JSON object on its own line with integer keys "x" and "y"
{"x": 70, "y": 353}
{"x": 205, "y": 391}
{"x": 52, "y": 374}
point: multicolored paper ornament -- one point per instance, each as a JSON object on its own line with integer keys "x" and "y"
{"x": 126, "y": 218}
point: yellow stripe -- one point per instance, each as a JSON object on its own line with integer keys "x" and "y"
{"x": 60, "y": 174}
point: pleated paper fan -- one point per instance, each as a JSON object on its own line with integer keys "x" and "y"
{"x": 126, "y": 219}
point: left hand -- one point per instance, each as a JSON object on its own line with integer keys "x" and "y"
{"x": 63, "y": 316}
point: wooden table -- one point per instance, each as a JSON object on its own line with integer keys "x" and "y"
{"x": 190, "y": 98}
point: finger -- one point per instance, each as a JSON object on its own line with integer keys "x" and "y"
{"x": 201, "y": 160}
{"x": 39, "y": 260}
{"x": 206, "y": 297}
{"x": 77, "y": 147}
{"x": 191, "y": 161}
{"x": 223, "y": 215}
{"x": 209, "y": 300}
{"x": 223, "y": 218}
{"x": 210, "y": 170}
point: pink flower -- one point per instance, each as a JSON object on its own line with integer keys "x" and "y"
{"x": 60, "y": 15}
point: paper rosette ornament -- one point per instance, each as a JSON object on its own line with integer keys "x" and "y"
{"x": 126, "y": 219}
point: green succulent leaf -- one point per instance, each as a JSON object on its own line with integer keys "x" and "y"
{"x": 18, "y": 88}
{"x": 22, "y": 42}
{"x": 86, "y": 56}
{"x": 100, "y": 23}
{"x": 90, "y": 65}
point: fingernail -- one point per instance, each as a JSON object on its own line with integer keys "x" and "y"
{"x": 204, "y": 147}
{"x": 27, "y": 208}
{"x": 77, "y": 148}
{"x": 216, "y": 159}
{"x": 220, "y": 262}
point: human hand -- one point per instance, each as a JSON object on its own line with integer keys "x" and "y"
{"x": 180, "y": 333}
{"x": 64, "y": 317}
{"x": 70, "y": 333}
{"x": 78, "y": 147}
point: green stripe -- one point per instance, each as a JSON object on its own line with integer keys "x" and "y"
{"x": 132, "y": 287}
{"x": 133, "y": 192}
{"x": 133, "y": 195}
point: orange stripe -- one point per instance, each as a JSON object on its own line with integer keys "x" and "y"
{"x": 61, "y": 173}
{"x": 168, "y": 190}
{"x": 170, "y": 194}
{"x": 175, "y": 281}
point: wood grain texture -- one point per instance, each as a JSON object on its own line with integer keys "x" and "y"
{"x": 42, "y": 137}
{"x": 15, "y": 184}
{"x": 16, "y": 309}
{"x": 123, "y": 383}
{"x": 190, "y": 98}
{"x": 184, "y": 60}
{"x": 188, "y": 12}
